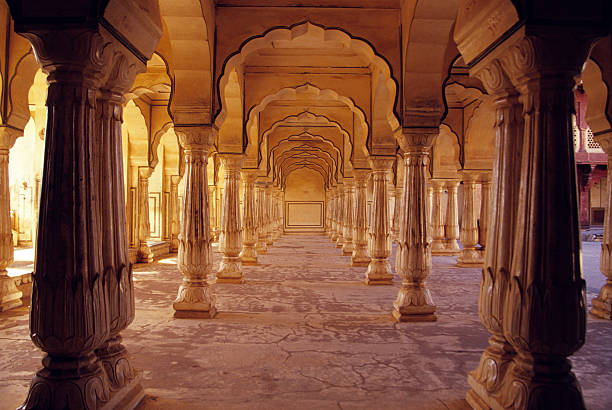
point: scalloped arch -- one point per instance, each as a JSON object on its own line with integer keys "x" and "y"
{"x": 316, "y": 33}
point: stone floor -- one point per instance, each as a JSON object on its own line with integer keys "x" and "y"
{"x": 304, "y": 332}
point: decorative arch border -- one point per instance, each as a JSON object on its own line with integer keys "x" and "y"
{"x": 312, "y": 30}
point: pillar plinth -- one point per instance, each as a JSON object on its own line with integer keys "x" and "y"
{"x": 10, "y": 296}
{"x": 144, "y": 226}
{"x": 451, "y": 228}
{"x": 231, "y": 223}
{"x": 437, "y": 217}
{"x": 469, "y": 255}
{"x": 195, "y": 299}
{"x": 248, "y": 256}
{"x": 379, "y": 270}
{"x": 360, "y": 255}
{"x": 349, "y": 216}
{"x": 261, "y": 245}
{"x": 414, "y": 302}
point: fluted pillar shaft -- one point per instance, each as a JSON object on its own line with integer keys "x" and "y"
{"x": 340, "y": 208}
{"x": 82, "y": 295}
{"x": 248, "y": 256}
{"x": 144, "y": 226}
{"x": 212, "y": 210}
{"x": 231, "y": 222}
{"x": 429, "y": 206}
{"x": 451, "y": 227}
{"x": 118, "y": 270}
{"x": 602, "y": 304}
{"x": 437, "y": 217}
{"x": 10, "y": 296}
{"x": 485, "y": 194}
{"x": 174, "y": 213}
{"x": 379, "y": 270}
{"x": 397, "y": 212}
{"x": 413, "y": 264}
{"x": 360, "y": 255}
{"x": 260, "y": 198}
{"x": 544, "y": 316}
{"x": 268, "y": 215}
{"x": 486, "y": 381}
{"x": 334, "y": 215}
{"x": 469, "y": 256}
{"x": 194, "y": 259}
{"x": 349, "y": 220}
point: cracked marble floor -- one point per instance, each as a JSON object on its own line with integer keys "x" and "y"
{"x": 304, "y": 332}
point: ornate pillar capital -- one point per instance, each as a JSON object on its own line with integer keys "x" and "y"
{"x": 361, "y": 175}
{"x": 195, "y": 137}
{"x": 417, "y": 139}
{"x": 381, "y": 163}
{"x": 232, "y": 162}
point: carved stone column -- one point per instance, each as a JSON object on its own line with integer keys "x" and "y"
{"x": 413, "y": 264}
{"x": 334, "y": 214}
{"x": 115, "y": 359}
{"x": 212, "y": 209}
{"x": 174, "y": 212}
{"x": 469, "y": 256}
{"x": 269, "y": 222}
{"x": 195, "y": 299}
{"x": 327, "y": 211}
{"x": 340, "y": 208}
{"x": 429, "y": 206}
{"x": 82, "y": 295}
{"x": 360, "y": 255}
{"x": 10, "y": 296}
{"x": 486, "y": 380}
{"x": 485, "y": 190}
{"x": 602, "y": 304}
{"x": 397, "y": 212}
{"x": 451, "y": 228}
{"x": 437, "y": 218}
{"x": 276, "y": 232}
{"x": 144, "y": 227}
{"x": 281, "y": 211}
{"x": 260, "y": 245}
{"x": 248, "y": 256}
{"x": 544, "y": 316}
{"x": 231, "y": 223}
{"x": 349, "y": 216}
{"x": 379, "y": 270}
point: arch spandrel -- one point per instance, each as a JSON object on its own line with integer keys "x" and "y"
{"x": 429, "y": 51}
{"x": 597, "y": 82}
{"x": 480, "y": 136}
{"x": 189, "y": 27}
{"x": 446, "y": 154}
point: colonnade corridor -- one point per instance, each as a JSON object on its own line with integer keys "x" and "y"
{"x": 304, "y": 332}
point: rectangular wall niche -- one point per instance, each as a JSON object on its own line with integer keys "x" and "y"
{"x": 304, "y": 216}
